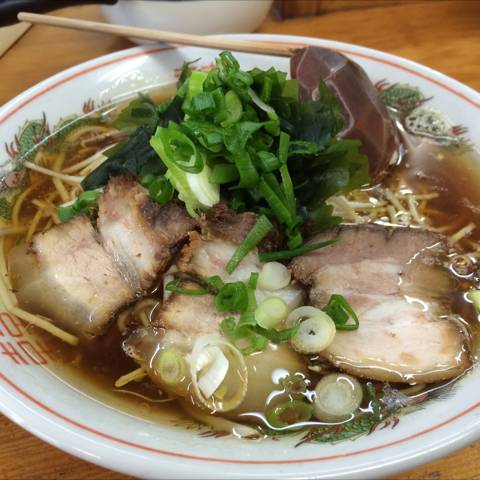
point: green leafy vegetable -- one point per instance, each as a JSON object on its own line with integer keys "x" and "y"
{"x": 133, "y": 156}
{"x": 245, "y": 137}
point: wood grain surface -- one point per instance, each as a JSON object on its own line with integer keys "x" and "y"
{"x": 444, "y": 35}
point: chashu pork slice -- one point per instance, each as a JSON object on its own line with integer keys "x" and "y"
{"x": 209, "y": 251}
{"x": 67, "y": 275}
{"x": 184, "y": 318}
{"x": 141, "y": 235}
{"x": 395, "y": 282}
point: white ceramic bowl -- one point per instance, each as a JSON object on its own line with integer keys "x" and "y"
{"x": 190, "y": 16}
{"x": 42, "y": 396}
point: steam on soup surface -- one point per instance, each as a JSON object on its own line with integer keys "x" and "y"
{"x": 259, "y": 254}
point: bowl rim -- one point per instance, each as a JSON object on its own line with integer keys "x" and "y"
{"x": 12, "y": 403}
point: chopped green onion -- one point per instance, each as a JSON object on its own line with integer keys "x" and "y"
{"x": 195, "y": 83}
{"x": 203, "y": 103}
{"x": 271, "y": 312}
{"x": 253, "y": 280}
{"x": 246, "y": 169}
{"x": 174, "y": 287}
{"x": 340, "y": 311}
{"x": 290, "y": 89}
{"x": 315, "y": 333}
{"x": 247, "y": 316}
{"x": 277, "y": 336}
{"x": 284, "y": 143}
{"x": 194, "y": 189}
{"x": 270, "y": 111}
{"x": 224, "y": 173}
{"x": 85, "y": 203}
{"x": 272, "y": 181}
{"x": 288, "y": 190}
{"x": 232, "y": 297}
{"x": 266, "y": 92}
{"x": 295, "y": 238}
{"x": 170, "y": 366}
{"x": 289, "y": 413}
{"x": 159, "y": 188}
{"x": 267, "y": 161}
{"x": 247, "y": 340}
{"x": 215, "y": 281}
{"x": 233, "y": 109}
{"x": 295, "y": 252}
{"x": 274, "y": 276}
{"x": 275, "y": 202}
{"x": 337, "y": 397}
{"x": 228, "y": 325}
{"x": 180, "y": 150}
{"x": 262, "y": 227}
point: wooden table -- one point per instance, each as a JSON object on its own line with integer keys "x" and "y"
{"x": 444, "y": 35}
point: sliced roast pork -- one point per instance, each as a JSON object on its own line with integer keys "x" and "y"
{"x": 79, "y": 277}
{"x": 141, "y": 235}
{"x": 183, "y": 318}
{"x": 395, "y": 281}
{"x": 209, "y": 252}
{"x": 67, "y": 275}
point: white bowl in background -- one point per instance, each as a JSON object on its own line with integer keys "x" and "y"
{"x": 45, "y": 398}
{"x": 201, "y": 17}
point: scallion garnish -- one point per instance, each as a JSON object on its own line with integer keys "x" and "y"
{"x": 232, "y": 297}
{"x": 215, "y": 281}
{"x": 159, "y": 188}
{"x": 233, "y": 109}
{"x": 294, "y": 252}
{"x": 246, "y": 136}
{"x": 224, "y": 173}
{"x": 289, "y": 413}
{"x": 85, "y": 204}
{"x": 267, "y": 161}
{"x": 174, "y": 286}
{"x": 245, "y": 333}
{"x": 180, "y": 150}
{"x": 277, "y": 336}
{"x": 275, "y": 202}
{"x": 259, "y": 231}
{"x": 340, "y": 311}
{"x": 246, "y": 169}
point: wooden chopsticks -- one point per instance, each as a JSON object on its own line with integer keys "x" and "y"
{"x": 267, "y": 48}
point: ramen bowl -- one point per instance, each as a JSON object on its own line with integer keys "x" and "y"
{"x": 45, "y": 394}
